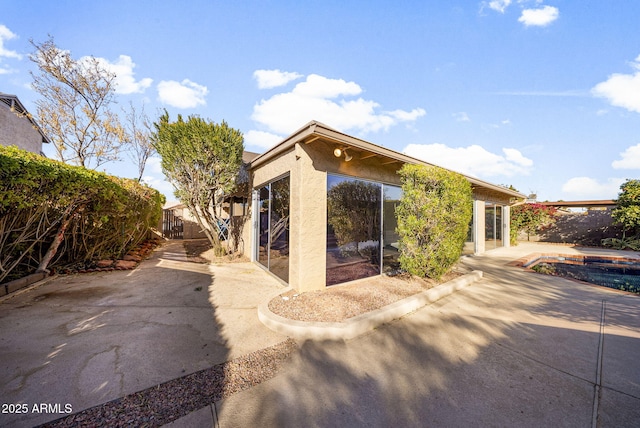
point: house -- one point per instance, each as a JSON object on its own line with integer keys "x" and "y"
{"x": 17, "y": 126}
{"x": 301, "y": 185}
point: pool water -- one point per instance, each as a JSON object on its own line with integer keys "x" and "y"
{"x": 624, "y": 277}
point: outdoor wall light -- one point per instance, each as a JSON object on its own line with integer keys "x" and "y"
{"x": 337, "y": 152}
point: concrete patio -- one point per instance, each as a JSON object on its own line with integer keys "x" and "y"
{"x": 513, "y": 349}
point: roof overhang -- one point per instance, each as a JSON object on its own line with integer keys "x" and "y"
{"x": 316, "y": 131}
{"x": 581, "y": 204}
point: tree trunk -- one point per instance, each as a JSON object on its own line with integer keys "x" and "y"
{"x": 53, "y": 248}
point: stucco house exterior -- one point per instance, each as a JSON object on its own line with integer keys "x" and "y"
{"x": 301, "y": 184}
{"x": 17, "y": 127}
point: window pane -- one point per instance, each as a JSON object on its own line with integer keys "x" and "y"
{"x": 493, "y": 226}
{"x": 469, "y": 245}
{"x": 353, "y": 229}
{"x": 390, "y": 237}
{"x": 498, "y": 226}
{"x": 263, "y": 226}
{"x": 279, "y": 230}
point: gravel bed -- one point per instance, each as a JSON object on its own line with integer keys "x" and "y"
{"x": 341, "y": 302}
{"x": 166, "y": 402}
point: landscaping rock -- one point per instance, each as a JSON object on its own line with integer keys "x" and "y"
{"x": 132, "y": 258}
{"x": 104, "y": 263}
{"x": 125, "y": 264}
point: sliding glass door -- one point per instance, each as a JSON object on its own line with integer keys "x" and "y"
{"x": 273, "y": 227}
{"x": 493, "y": 226}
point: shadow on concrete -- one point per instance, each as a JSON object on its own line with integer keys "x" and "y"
{"x": 512, "y": 350}
{"x": 83, "y": 340}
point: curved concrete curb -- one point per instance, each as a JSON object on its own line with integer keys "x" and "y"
{"x": 360, "y": 324}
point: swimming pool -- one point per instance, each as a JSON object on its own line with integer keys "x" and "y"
{"x": 619, "y": 273}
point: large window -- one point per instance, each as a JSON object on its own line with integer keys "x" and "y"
{"x": 493, "y": 225}
{"x": 469, "y": 244}
{"x": 353, "y": 229}
{"x": 273, "y": 227}
{"x": 390, "y": 236}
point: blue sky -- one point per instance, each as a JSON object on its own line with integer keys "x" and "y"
{"x": 542, "y": 95}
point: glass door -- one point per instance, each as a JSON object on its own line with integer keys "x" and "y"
{"x": 493, "y": 226}
{"x": 273, "y": 227}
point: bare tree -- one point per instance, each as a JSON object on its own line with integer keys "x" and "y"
{"x": 137, "y": 135}
{"x": 74, "y": 110}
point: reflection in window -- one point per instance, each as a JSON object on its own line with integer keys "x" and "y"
{"x": 493, "y": 226}
{"x": 469, "y": 244}
{"x": 390, "y": 236}
{"x": 279, "y": 229}
{"x": 263, "y": 226}
{"x": 353, "y": 229}
{"x": 273, "y": 228}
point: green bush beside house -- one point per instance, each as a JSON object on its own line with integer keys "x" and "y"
{"x": 433, "y": 219}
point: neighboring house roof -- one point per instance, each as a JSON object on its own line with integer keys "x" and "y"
{"x": 15, "y": 105}
{"x": 247, "y": 157}
{"x": 581, "y": 204}
{"x": 314, "y": 130}
{"x": 173, "y": 205}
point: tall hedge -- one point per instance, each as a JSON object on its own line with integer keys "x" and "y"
{"x": 105, "y": 216}
{"x": 433, "y": 219}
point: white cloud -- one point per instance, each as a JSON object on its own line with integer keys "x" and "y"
{"x": 160, "y": 184}
{"x": 461, "y": 117}
{"x": 323, "y": 99}
{"x": 622, "y": 90}
{"x": 273, "y": 78}
{"x": 473, "y": 160}
{"x": 539, "y": 17}
{"x": 630, "y": 159}
{"x": 261, "y": 139}
{"x": 154, "y": 165}
{"x": 185, "y": 94}
{"x": 125, "y": 81}
{"x": 6, "y": 35}
{"x": 497, "y": 5}
{"x": 590, "y": 188}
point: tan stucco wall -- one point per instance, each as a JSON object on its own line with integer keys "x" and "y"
{"x": 307, "y": 166}
{"x": 18, "y": 131}
{"x": 308, "y": 212}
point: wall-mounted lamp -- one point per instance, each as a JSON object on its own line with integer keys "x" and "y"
{"x": 337, "y": 152}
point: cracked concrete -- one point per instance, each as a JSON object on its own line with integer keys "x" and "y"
{"x": 88, "y": 339}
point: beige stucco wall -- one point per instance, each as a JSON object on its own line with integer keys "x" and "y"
{"x": 307, "y": 166}
{"x": 18, "y": 131}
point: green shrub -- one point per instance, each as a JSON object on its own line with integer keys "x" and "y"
{"x": 106, "y": 215}
{"x": 433, "y": 219}
{"x": 530, "y": 218}
{"x": 626, "y": 243}
{"x": 627, "y": 210}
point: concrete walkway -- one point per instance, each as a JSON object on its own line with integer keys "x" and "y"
{"x": 513, "y": 349}
{"x": 83, "y": 340}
